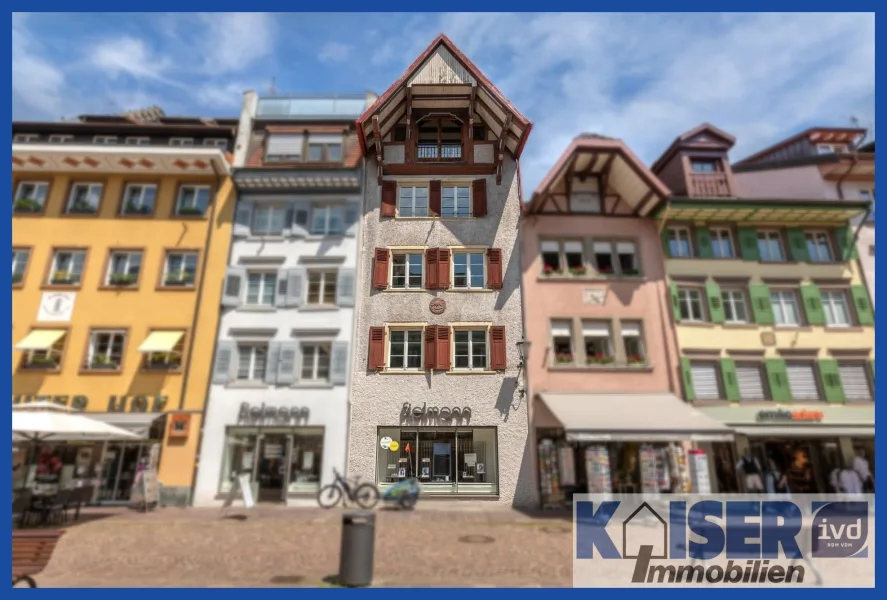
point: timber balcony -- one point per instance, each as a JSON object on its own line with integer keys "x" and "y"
{"x": 443, "y": 152}
{"x": 709, "y": 185}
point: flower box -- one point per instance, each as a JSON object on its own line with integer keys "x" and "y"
{"x": 134, "y": 209}
{"x": 578, "y": 271}
{"x": 605, "y": 271}
{"x": 635, "y": 359}
{"x": 27, "y": 205}
{"x": 631, "y": 272}
{"x": 190, "y": 211}
{"x": 549, "y": 270}
{"x": 102, "y": 363}
{"x": 599, "y": 359}
{"x": 178, "y": 281}
{"x": 122, "y": 279}
{"x": 63, "y": 278}
{"x": 42, "y": 363}
{"x": 563, "y": 359}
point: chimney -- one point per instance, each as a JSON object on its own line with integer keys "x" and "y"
{"x": 245, "y": 127}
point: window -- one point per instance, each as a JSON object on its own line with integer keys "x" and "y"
{"x": 283, "y": 147}
{"x": 405, "y": 349}
{"x": 139, "y": 199}
{"x": 19, "y": 264}
{"x": 855, "y": 381}
{"x": 468, "y": 270}
{"x": 704, "y": 166}
{"x": 24, "y": 138}
{"x": 770, "y": 246}
{"x": 830, "y": 149}
{"x": 60, "y": 139}
{"x": 585, "y": 201}
{"x": 734, "y": 306}
{"x": 837, "y": 312}
{"x": 551, "y": 257}
{"x": 85, "y": 198}
{"x": 412, "y": 201}
{"x": 406, "y": 271}
{"x": 315, "y": 152}
{"x": 802, "y": 381}
{"x": 180, "y": 269}
{"x": 107, "y": 140}
{"x": 470, "y": 349}
{"x": 818, "y": 247}
{"x": 269, "y": 219}
{"x": 260, "y": 288}
{"x": 67, "y": 267}
{"x": 220, "y": 143}
{"x": 30, "y": 196}
{"x": 334, "y": 152}
{"x": 866, "y": 195}
{"x": 690, "y": 303}
{"x": 679, "y": 245}
{"x": 479, "y": 133}
{"x": 252, "y": 360}
{"x": 598, "y": 349}
{"x": 325, "y": 148}
{"x": 603, "y": 258}
{"x": 105, "y": 349}
{"x": 556, "y": 256}
{"x": 785, "y": 308}
{"x": 455, "y": 201}
{"x": 627, "y": 254}
{"x": 562, "y": 342}
{"x": 633, "y": 341}
{"x": 123, "y": 268}
{"x": 326, "y": 220}
{"x": 322, "y": 287}
{"x": 193, "y": 200}
{"x": 750, "y": 382}
{"x": 49, "y": 358}
{"x": 721, "y": 242}
{"x": 315, "y": 362}
{"x": 165, "y": 361}
{"x": 181, "y": 142}
{"x": 705, "y": 380}
{"x": 137, "y": 141}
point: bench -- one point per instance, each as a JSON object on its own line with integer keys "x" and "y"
{"x": 31, "y": 551}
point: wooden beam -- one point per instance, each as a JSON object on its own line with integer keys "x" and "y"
{"x": 604, "y": 180}
{"x": 377, "y": 138}
{"x": 500, "y": 149}
{"x": 471, "y": 108}
{"x": 568, "y": 176}
{"x": 643, "y": 203}
{"x": 587, "y": 171}
{"x": 409, "y": 110}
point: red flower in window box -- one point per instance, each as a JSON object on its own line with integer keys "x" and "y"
{"x": 549, "y": 270}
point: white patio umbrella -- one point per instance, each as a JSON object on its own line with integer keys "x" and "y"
{"x": 39, "y": 421}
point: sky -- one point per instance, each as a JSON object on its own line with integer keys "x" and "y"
{"x": 644, "y": 78}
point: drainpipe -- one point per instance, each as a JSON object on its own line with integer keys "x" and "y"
{"x": 840, "y": 184}
{"x": 670, "y": 313}
{"x": 358, "y": 285}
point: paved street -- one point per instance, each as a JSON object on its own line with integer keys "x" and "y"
{"x": 436, "y": 545}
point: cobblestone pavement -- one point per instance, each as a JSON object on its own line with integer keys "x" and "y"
{"x": 438, "y": 546}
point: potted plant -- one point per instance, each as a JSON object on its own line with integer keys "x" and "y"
{"x": 179, "y": 279}
{"x": 164, "y": 360}
{"x": 599, "y": 359}
{"x": 43, "y": 362}
{"x": 102, "y": 362}
{"x": 27, "y": 205}
{"x": 636, "y": 359}
{"x": 122, "y": 279}
{"x": 191, "y": 211}
{"x": 62, "y": 277}
{"x": 549, "y": 270}
{"x": 563, "y": 358}
{"x": 577, "y": 271}
{"x": 82, "y": 207}
{"x": 134, "y": 209}
{"x": 605, "y": 270}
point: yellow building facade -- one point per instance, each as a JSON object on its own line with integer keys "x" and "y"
{"x": 119, "y": 254}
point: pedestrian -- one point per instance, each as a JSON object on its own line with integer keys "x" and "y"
{"x": 751, "y": 468}
{"x": 849, "y": 481}
{"x": 861, "y": 466}
{"x": 774, "y": 480}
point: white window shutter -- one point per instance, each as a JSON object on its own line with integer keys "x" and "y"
{"x": 339, "y": 363}
{"x": 345, "y": 287}
{"x": 284, "y": 144}
{"x": 243, "y": 216}
{"x": 234, "y": 282}
{"x": 705, "y": 381}
{"x": 226, "y": 358}
{"x": 286, "y": 365}
{"x": 294, "y": 282}
{"x": 280, "y": 297}
{"x": 301, "y": 212}
{"x": 272, "y": 363}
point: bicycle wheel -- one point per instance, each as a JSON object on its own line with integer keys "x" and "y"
{"x": 408, "y": 501}
{"x": 366, "y": 495}
{"x": 329, "y": 496}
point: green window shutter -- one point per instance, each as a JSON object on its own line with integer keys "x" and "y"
{"x": 872, "y": 367}
{"x": 830, "y": 378}
{"x": 813, "y": 304}
{"x": 797, "y": 244}
{"x": 748, "y": 243}
{"x": 688, "y": 379}
{"x": 777, "y": 377}
{"x": 675, "y": 303}
{"x": 844, "y": 235}
{"x": 715, "y": 303}
{"x": 703, "y": 243}
{"x": 862, "y": 304}
{"x": 759, "y": 295}
{"x": 666, "y": 248}
{"x": 728, "y": 374}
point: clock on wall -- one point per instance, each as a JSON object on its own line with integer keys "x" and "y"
{"x": 56, "y": 306}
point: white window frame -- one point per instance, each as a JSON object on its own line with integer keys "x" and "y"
{"x": 329, "y": 211}
{"x": 37, "y": 185}
{"x": 824, "y": 149}
{"x": 467, "y": 254}
{"x": 734, "y": 297}
{"x": 166, "y": 359}
{"x": 20, "y": 258}
{"x": 685, "y": 300}
{"x": 554, "y": 325}
{"x": 182, "y": 142}
{"x": 679, "y": 232}
{"x": 253, "y": 348}
{"x": 137, "y": 140}
{"x": 54, "y": 351}
{"x": 770, "y": 235}
{"x": 90, "y": 186}
{"x": 455, "y": 187}
{"x": 272, "y": 212}
{"x": 412, "y": 201}
{"x": 105, "y": 140}
{"x": 816, "y": 235}
{"x": 315, "y": 346}
{"x": 54, "y": 266}
{"x": 25, "y": 138}
{"x": 184, "y": 255}
{"x": 470, "y": 330}
{"x": 722, "y": 234}
{"x": 867, "y": 195}
{"x": 389, "y": 344}
{"x": 828, "y": 297}
{"x": 781, "y": 295}
{"x": 607, "y": 338}
{"x": 195, "y": 204}
{"x": 140, "y": 203}
{"x": 130, "y": 255}
{"x": 327, "y": 277}
{"x": 642, "y": 346}
{"x": 60, "y": 138}
{"x": 93, "y": 342}
{"x": 406, "y": 253}
{"x": 220, "y": 143}
{"x": 264, "y": 283}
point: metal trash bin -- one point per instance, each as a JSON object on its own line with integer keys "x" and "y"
{"x": 356, "y": 553}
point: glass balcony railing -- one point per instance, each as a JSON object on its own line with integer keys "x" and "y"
{"x": 318, "y": 107}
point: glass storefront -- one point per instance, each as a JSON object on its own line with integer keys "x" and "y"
{"x": 446, "y": 460}
{"x": 281, "y": 460}
{"x": 807, "y": 464}
{"x": 864, "y": 462}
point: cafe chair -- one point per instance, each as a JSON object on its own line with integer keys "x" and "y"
{"x": 58, "y": 507}
{"x": 21, "y": 506}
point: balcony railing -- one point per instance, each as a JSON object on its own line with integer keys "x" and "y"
{"x": 439, "y": 152}
{"x": 709, "y": 185}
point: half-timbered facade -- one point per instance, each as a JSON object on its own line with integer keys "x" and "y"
{"x": 436, "y": 392}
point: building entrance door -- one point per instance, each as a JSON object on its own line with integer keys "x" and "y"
{"x": 271, "y": 471}
{"x": 119, "y": 469}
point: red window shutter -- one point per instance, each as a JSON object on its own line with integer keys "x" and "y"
{"x": 376, "y": 356}
{"x": 494, "y": 268}
{"x": 431, "y": 269}
{"x": 443, "y": 268}
{"x": 434, "y": 198}
{"x": 430, "y": 347}
{"x": 497, "y": 348}
{"x": 479, "y": 198}
{"x": 389, "y": 198}
{"x": 380, "y": 269}
{"x": 443, "y": 349}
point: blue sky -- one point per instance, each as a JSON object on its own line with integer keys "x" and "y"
{"x": 644, "y": 78}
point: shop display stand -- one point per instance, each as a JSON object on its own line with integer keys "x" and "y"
{"x": 549, "y": 480}
{"x": 597, "y": 470}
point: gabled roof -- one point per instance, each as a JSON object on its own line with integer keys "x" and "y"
{"x": 465, "y": 80}
{"x": 818, "y": 135}
{"x": 726, "y": 142}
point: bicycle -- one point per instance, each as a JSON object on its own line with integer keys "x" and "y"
{"x": 365, "y": 495}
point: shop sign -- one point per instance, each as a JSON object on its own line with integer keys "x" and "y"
{"x": 282, "y": 415}
{"x": 782, "y": 415}
{"x": 434, "y": 415}
{"x": 137, "y": 403}
{"x": 77, "y": 402}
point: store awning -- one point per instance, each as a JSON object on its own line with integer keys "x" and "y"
{"x": 632, "y": 417}
{"x": 137, "y": 423}
{"x": 40, "y": 339}
{"x": 161, "y": 341}
{"x": 806, "y": 431}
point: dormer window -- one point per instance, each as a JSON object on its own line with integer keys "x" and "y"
{"x": 24, "y": 138}
{"x": 699, "y": 165}
{"x": 440, "y": 138}
{"x": 284, "y": 147}
{"x": 106, "y": 140}
{"x": 324, "y": 148}
{"x": 182, "y": 142}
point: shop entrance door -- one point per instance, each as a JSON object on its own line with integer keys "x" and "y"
{"x": 119, "y": 469}
{"x": 270, "y": 469}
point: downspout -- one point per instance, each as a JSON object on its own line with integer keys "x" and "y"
{"x": 358, "y": 286}
{"x": 670, "y": 312}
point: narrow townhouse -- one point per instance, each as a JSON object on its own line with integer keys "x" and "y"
{"x": 278, "y": 404}
{"x": 774, "y": 322}
{"x": 437, "y": 385}
{"x": 820, "y": 162}
{"x": 606, "y": 410}
{"x": 120, "y": 234}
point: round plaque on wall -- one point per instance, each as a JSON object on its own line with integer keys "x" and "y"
{"x": 437, "y": 306}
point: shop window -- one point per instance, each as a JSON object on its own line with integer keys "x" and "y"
{"x": 468, "y": 270}
{"x": 19, "y": 264}
{"x": 855, "y": 381}
{"x": 836, "y": 309}
{"x": 138, "y": 200}
{"x": 455, "y": 201}
{"x": 690, "y": 303}
{"x": 721, "y": 242}
{"x": 193, "y": 200}
{"x": 315, "y": 362}
{"x": 123, "y": 268}
{"x": 562, "y": 342}
{"x": 251, "y": 362}
{"x": 239, "y": 457}
{"x": 327, "y": 220}
{"x": 785, "y": 308}
{"x": 261, "y": 288}
{"x": 770, "y": 246}
{"x": 412, "y": 201}
{"x": 735, "y": 310}
{"x": 819, "y": 248}
{"x": 706, "y": 380}
{"x": 633, "y": 341}
{"x": 598, "y": 345}
{"x": 269, "y": 219}
{"x": 470, "y": 349}
{"x": 802, "y": 381}
{"x": 407, "y": 270}
{"x": 679, "y": 245}
{"x": 322, "y": 287}
{"x": 67, "y": 267}
{"x": 750, "y": 380}
{"x": 105, "y": 351}
{"x": 405, "y": 349}
{"x": 180, "y": 269}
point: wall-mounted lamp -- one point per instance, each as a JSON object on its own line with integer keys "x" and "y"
{"x": 523, "y": 349}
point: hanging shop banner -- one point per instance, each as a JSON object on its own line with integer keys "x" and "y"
{"x": 699, "y": 472}
{"x": 597, "y": 469}
{"x": 567, "y": 466}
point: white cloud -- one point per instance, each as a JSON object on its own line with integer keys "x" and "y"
{"x": 334, "y": 52}
{"x": 232, "y": 42}
{"x": 128, "y": 56}
{"x": 37, "y": 84}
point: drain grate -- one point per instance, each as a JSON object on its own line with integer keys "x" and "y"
{"x": 476, "y": 539}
